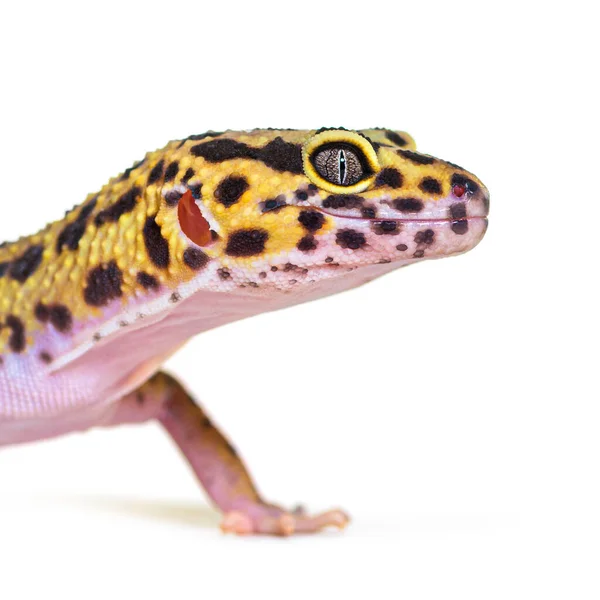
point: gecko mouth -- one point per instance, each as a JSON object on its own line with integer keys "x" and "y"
{"x": 422, "y": 220}
{"x": 467, "y": 227}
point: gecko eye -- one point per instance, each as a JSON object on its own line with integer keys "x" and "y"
{"x": 340, "y": 161}
{"x": 339, "y": 164}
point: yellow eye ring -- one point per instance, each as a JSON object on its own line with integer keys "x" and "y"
{"x": 359, "y": 149}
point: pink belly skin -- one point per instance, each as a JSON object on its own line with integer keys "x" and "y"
{"x": 35, "y": 404}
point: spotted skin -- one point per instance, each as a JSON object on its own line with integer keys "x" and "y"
{"x": 92, "y": 305}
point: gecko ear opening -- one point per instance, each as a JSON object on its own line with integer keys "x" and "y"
{"x": 192, "y": 222}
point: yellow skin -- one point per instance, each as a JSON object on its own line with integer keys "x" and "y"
{"x": 123, "y": 277}
{"x": 61, "y": 277}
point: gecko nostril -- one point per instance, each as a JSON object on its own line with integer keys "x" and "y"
{"x": 463, "y": 184}
{"x": 459, "y": 190}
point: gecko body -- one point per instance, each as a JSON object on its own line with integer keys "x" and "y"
{"x": 208, "y": 230}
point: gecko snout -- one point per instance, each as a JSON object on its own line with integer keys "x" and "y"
{"x": 468, "y": 198}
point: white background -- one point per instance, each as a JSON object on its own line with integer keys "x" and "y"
{"x": 451, "y": 408}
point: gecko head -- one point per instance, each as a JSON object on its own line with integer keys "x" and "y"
{"x": 287, "y": 208}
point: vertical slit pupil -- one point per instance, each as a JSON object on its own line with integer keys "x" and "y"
{"x": 342, "y": 158}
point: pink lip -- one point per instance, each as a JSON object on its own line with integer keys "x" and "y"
{"x": 404, "y": 220}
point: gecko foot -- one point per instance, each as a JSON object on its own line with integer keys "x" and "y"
{"x": 264, "y": 519}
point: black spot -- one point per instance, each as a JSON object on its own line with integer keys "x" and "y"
{"x": 343, "y": 201}
{"x": 16, "y": 341}
{"x": 246, "y": 242}
{"x": 460, "y": 227}
{"x": 301, "y": 195}
{"x": 368, "y": 212}
{"x": 329, "y": 259}
{"x": 156, "y": 245}
{"x": 72, "y": 233}
{"x": 45, "y": 357}
{"x": 147, "y": 281}
{"x": 60, "y": 316}
{"x": 230, "y": 190}
{"x": 390, "y": 177}
{"x": 431, "y": 185}
{"x": 273, "y": 204}
{"x": 469, "y": 184}
{"x": 223, "y": 273}
{"x": 172, "y": 171}
{"x": 385, "y": 227}
{"x": 41, "y": 312}
{"x": 173, "y": 197}
{"x": 311, "y": 220}
{"x": 24, "y": 266}
{"x": 408, "y": 205}
{"x": 282, "y": 156}
{"x": 395, "y": 138}
{"x": 103, "y": 284}
{"x": 175, "y": 297}
{"x": 126, "y": 203}
{"x": 307, "y": 243}
{"x": 458, "y": 210}
{"x": 194, "y": 258}
{"x": 425, "y": 237}
{"x": 401, "y": 247}
{"x": 187, "y": 175}
{"x": 419, "y": 254}
{"x": 349, "y": 238}
{"x": 220, "y": 150}
{"x": 196, "y": 190}
{"x": 420, "y": 159}
{"x": 277, "y": 154}
{"x": 156, "y": 172}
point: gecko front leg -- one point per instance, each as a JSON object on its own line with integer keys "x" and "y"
{"x": 215, "y": 462}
